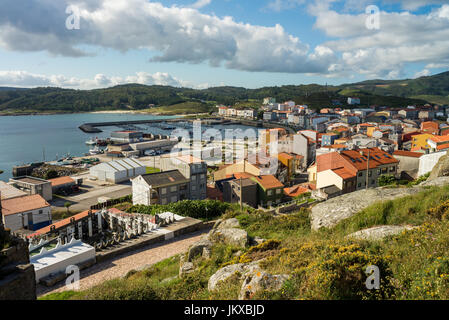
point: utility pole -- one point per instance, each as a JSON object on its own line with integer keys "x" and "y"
{"x": 1, "y": 215}
{"x": 367, "y": 170}
{"x": 241, "y": 195}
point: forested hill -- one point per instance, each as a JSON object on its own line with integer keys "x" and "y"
{"x": 399, "y": 93}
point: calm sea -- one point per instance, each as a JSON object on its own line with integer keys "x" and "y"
{"x": 26, "y": 139}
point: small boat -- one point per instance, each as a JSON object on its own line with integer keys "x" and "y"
{"x": 95, "y": 151}
{"x": 91, "y": 142}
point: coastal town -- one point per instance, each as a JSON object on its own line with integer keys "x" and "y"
{"x": 83, "y": 211}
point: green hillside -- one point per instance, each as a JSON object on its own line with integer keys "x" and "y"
{"x": 399, "y": 93}
{"x": 322, "y": 265}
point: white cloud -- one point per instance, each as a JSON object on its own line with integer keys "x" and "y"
{"x": 175, "y": 34}
{"x": 200, "y": 4}
{"x": 403, "y": 38}
{"x": 423, "y": 73}
{"x": 27, "y": 79}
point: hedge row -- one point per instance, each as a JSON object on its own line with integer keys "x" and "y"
{"x": 198, "y": 209}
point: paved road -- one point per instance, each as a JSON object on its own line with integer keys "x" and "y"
{"x": 84, "y": 201}
{"x": 122, "y": 264}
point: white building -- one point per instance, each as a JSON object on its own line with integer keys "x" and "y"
{"x": 428, "y": 161}
{"x": 118, "y": 171}
{"x": 57, "y": 260}
{"x": 28, "y": 212}
{"x": 352, "y": 101}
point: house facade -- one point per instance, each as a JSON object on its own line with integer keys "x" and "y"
{"x": 160, "y": 188}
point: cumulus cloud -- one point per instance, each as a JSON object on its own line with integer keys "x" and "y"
{"x": 200, "y": 4}
{"x": 27, "y": 79}
{"x": 422, "y": 73}
{"x": 403, "y": 38}
{"x": 175, "y": 34}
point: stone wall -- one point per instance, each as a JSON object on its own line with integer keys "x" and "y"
{"x": 17, "y": 278}
{"x": 19, "y": 284}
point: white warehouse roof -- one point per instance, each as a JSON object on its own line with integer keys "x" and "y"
{"x": 119, "y": 165}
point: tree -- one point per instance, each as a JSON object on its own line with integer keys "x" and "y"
{"x": 386, "y": 180}
{"x": 67, "y": 205}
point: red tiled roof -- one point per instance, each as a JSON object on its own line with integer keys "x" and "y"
{"x": 61, "y": 181}
{"x": 243, "y": 175}
{"x": 23, "y": 204}
{"x": 269, "y": 182}
{"x": 440, "y": 139}
{"x": 353, "y": 160}
{"x": 344, "y": 173}
{"x": 443, "y": 146}
{"x": 404, "y": 153}
{"x": 61, "y": 223}
{"x": 295, "y": 191}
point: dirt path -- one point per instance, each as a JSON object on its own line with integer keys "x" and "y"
{"x": 122, "y": 264}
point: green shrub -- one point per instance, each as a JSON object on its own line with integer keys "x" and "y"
{"x": 198, "y": 209}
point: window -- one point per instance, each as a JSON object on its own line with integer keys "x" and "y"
{"x": 193, "y": 188}
{"x": 392, "y": 169}
{"x": 174, "y": 199}
{"x": 163, "y": 190}
{"x": 359, "y": 185}
{"x": 370, "y": 174}
{"x": 173, "y": 189}
{"x": 40, "y": 211}
{"x": 193, "y": 178}
{"x": 202, "y": 176}
{"x": 164, "y": 201}
{"x": 278, "y": 191}
{"x": 360, "y": 174}
{"x": 183, "y": 187}
{"x": 373, "y": 181}
{"x": 270, "y": 192}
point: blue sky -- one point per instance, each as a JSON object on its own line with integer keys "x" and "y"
{"x": 219, "y": 42}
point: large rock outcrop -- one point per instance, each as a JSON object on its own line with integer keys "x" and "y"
{"x": 379, "y": 232}
{"x": 233, "y": 236}
{"x": 259, "y": 281}
{"x": 437, "y": 182}
{"x": 240, "y": 270}
{"x": 202, "y": 247}
{"x": 441, "y": 169}
{"x": 228, "y": 232}
{"x": 329, "y": 213}
{"x": 227, "y": 224}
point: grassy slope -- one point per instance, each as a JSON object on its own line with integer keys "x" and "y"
{"x": 324, "y": 264}
{"x": 182, "y": 108}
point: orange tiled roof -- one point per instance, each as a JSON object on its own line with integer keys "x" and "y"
{"x": 61, "y": 181}
{"x": 439, "y": 139}
{"x": 344, "y": 174}
{"x": 22, "y": 204}
{"x": 243, "y": 175}
{"x": 61, "y": 223}
{"x": 269, "y": 182}
{"x": 404, "y": 153}
{"x": 443, "y": 146}
{"x": 295, "y": 191}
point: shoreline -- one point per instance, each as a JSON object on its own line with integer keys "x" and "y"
{"x": 97, "y": 112}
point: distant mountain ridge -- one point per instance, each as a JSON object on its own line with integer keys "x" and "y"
{"x": 394, "y": 93}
